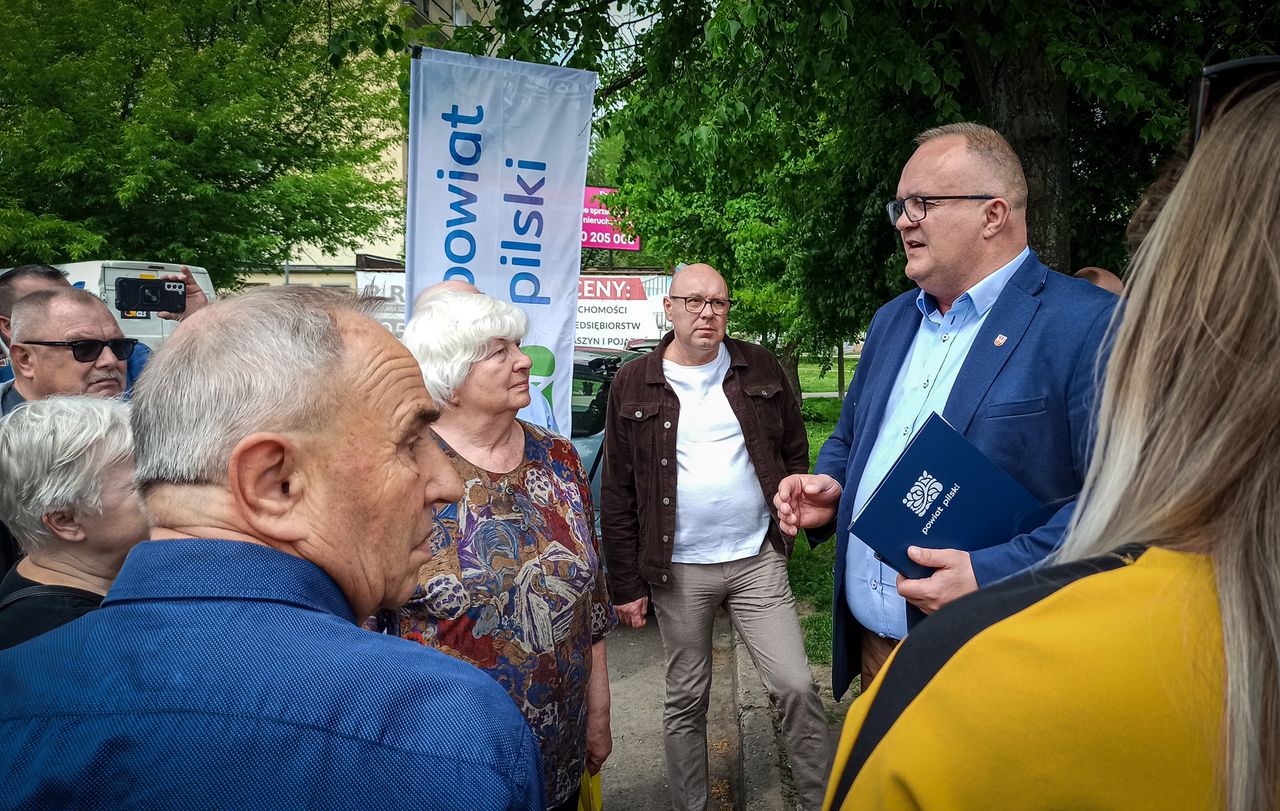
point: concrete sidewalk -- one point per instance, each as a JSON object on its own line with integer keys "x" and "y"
{"x": 635, "y": 775}
{"x": 747, "y": 760}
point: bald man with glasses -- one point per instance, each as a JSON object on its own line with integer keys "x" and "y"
{"x": 699, "y": 434}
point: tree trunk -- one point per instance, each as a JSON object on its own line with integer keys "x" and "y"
{"x": 1028, "y": 106}
{"x": 789, "y": 357}
{"x": 840, "y": 387}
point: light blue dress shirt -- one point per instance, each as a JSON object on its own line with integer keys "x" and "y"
{"x": 923, "y": 385}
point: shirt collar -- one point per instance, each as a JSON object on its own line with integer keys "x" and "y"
{"x": 10, "y": 397}
{"x": 219, "y": 569}
{"x": 653, "y": 363}
{"x": 982, "y": 295}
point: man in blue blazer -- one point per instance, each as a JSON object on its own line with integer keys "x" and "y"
{"x": 1004, "y": 348}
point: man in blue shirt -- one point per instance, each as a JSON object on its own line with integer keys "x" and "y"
{"x": 1005, "y": 349}
{"x": 291, "y": 484}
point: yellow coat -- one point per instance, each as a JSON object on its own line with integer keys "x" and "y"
{"x": 1097, "y": 684}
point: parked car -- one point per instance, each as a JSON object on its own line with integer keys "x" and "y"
{"x": 593, "y": 371}
{"x": 643, "y": 344}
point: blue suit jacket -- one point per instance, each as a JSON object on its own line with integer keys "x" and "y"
{"x": 1027, "y": 404}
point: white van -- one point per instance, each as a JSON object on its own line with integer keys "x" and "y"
{"x": 100, "y": 277}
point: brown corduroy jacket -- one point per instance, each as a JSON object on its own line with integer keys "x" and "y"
{"x": 638, "y": 488}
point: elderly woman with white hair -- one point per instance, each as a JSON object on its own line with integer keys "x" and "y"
{"x": 66, "y": 464}
{"x": 515, "y": 584}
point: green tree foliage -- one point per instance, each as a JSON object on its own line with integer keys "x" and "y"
{"x": 212, "y": 132}
{"x": 767, "y": 136}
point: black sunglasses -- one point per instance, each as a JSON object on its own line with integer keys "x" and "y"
{"x": 88, "y": 350}
{"x": 1220, "y": 82}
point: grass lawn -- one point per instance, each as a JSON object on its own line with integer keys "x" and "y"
{"x": 811, "y": 379}
{"x": 811, "y": 570}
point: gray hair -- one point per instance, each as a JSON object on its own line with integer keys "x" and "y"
{"x": 32, "y": 311}
{"x": 450, "y": 331}
{"x": 993, "y": 150}
{"x": 261, "y": 360}
{"x": 53, "y": 455}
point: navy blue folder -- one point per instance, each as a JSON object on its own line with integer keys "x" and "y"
{"x": 943, "y": 493}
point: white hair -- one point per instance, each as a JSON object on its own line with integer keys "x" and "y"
{"x": 450, "y": 331}
{"x": 261, "y": 360}
{"x": 54, "y": 454}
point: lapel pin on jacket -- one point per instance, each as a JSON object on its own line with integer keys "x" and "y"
{"x": 1000, "y": 339}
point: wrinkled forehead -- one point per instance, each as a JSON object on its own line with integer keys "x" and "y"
{"x": 378, "y": 368}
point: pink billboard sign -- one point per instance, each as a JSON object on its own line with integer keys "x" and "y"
{"x": 598, "y": 229}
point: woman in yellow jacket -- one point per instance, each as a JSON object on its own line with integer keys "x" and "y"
{"x": 1148, "y": 675}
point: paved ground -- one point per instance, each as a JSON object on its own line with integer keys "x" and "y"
{"x": 634, "y": 777}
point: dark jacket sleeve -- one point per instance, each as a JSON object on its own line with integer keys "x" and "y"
{"x": 619, "y": 523}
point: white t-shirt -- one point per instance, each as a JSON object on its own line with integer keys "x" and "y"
{"x": 721, "y": 514}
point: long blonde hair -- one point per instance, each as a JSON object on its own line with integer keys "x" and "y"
{"x": 1187, "y": 454}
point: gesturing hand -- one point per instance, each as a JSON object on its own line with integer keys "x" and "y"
{"x": 805, "y": 500}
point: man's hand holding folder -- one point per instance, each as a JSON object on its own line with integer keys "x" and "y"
{"x": 941, "y": 491}
{"x": 952, "y": 578}
{"x": 806, "y": 500}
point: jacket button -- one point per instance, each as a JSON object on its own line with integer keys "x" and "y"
{"x": 639, "y": 414}
{"x": 666, "y": 538}
{"x": 664, "y": 462}
{"x": 666, "y": 501}
{"x": 666, "y": 424}
{"x": 664, "y": 578}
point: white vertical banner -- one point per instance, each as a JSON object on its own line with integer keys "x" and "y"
{"x": 497, "y": 164}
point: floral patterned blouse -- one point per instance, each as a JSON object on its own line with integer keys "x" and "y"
{"x": 515, "y": 586}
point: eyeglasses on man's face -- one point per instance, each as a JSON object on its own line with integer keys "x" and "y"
{"x": 695, "y": 304}
{"x": 88, "y": 350}
{"x": 917, "y": 207}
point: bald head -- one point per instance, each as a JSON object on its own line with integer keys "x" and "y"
{"x": 1100, "y": 277}
{"x": 697, "y": 291}
{"x": 700, "y": 278}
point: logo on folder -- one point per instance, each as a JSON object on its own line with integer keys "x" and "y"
{"x": 922, "y": 494}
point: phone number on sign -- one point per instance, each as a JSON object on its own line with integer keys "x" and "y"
{"x": 601, "y": 238}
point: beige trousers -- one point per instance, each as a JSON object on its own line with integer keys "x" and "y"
{"x": 758, "y": 598}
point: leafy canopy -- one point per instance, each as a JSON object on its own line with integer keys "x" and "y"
{"x": 211, "y": 132}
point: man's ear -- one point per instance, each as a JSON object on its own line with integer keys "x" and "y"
{"x": 20, "y": 356}
{"x": 997, "y": 217}
{"x": 6, "y": 329}
{"x": 267, "y": 487}
{"x": 64, "y": 526}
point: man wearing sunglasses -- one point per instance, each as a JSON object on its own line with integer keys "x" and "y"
{"x": 1004, "y": 348}
{"x": 65, "y": 341}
